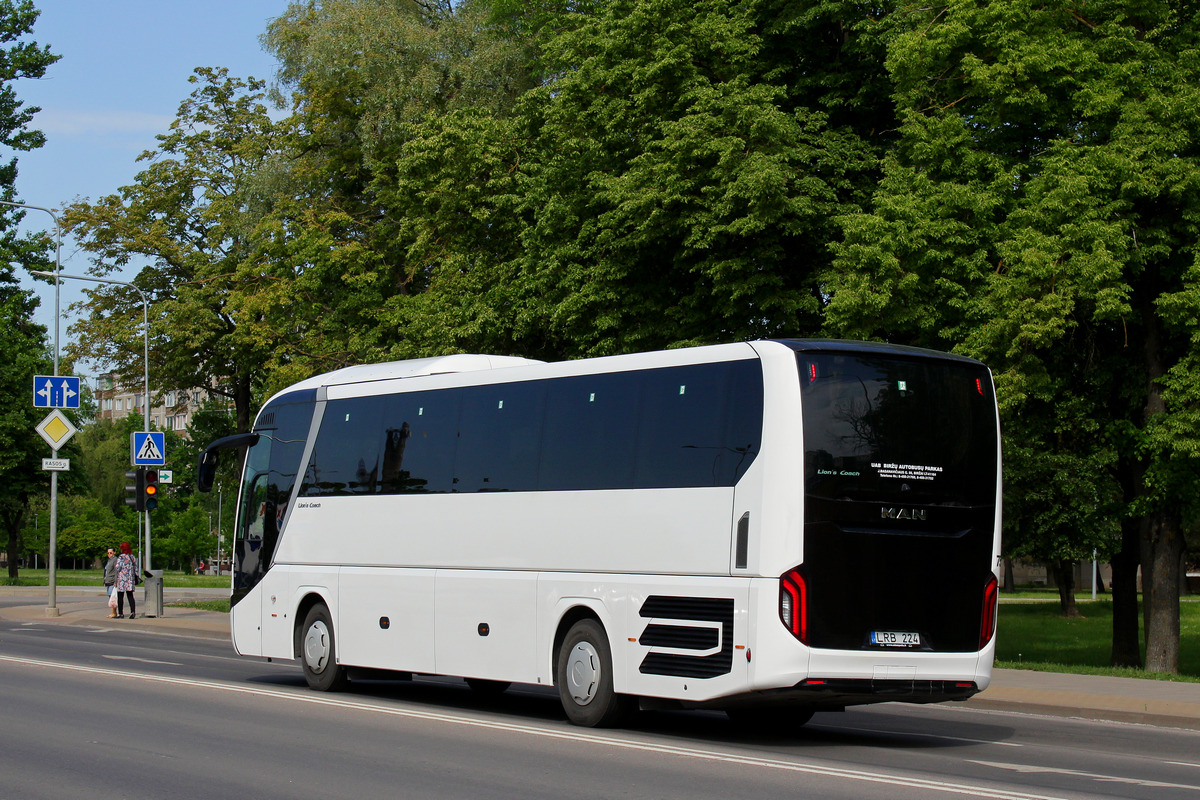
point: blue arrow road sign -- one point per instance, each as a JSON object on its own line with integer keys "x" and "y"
{"x": 51, "y": 391}
{"x": 147, "y": 449}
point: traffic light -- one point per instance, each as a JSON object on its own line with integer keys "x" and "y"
{"x": 150, "y": 489}
{"x": 136, "y": 489}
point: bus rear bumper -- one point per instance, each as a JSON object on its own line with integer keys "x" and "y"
{"x": 832, "y": 694}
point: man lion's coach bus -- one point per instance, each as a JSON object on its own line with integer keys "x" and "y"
{"x": 772, "y": 528}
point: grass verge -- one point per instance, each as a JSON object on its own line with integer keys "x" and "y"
{"x": 1036, "y": 636}
{"x": 95, "y": 577}
{"x": 204, "y": 605}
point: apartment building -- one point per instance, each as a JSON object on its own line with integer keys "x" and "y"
{"x": 114, "y": 401}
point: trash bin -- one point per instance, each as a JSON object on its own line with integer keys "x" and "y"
{"x": 152, "y": 602}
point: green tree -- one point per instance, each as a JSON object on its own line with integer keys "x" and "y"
{"x": 670, "y": 181}
{"x": 189, "y": 540}
{"x": 1039, "y": 211}
{"x": 89, "y": 527}
{"x": 18, "y": 59}
{"x": 104, "y": 458}
{"x": 21, "y": 340}
{"x": 193, "y": 213}
{"x": 25, "y": 355}
{"x": 390, "y": 101}
{"x": 210, "y": 422}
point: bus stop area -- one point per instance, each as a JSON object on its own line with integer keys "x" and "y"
{"x": 1133, "y": 700}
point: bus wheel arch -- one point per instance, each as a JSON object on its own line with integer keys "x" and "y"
{"x": 583, "y": 673}
{"x": 315, "y": 646}
{"x": 302, "y": 608}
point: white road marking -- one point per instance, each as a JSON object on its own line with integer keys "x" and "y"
{"x": 913, "y": 734}
{"x": 1031, "y": 769}
{"x": 575, "y": 735}
{"x": 143, "y": 660}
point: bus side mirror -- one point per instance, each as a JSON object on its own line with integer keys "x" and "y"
{"x": 206, "y": 469}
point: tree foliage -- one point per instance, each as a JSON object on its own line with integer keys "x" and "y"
{"x": 193, "y": 214}
{"x": 22, "y": 341}
{"x": 1040, "y": 212}
{"x": 25, "y": 355}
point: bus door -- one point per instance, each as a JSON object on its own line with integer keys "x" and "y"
{"x": 245, "y": 606}
{"x": 267, "y": 482}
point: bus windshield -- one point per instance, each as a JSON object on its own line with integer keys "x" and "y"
{"x": 898, "y": 430}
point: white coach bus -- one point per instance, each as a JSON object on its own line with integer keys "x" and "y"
{"x": 772, "y": 528}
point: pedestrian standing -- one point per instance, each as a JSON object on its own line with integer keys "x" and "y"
{"x": 127, "y": 568}
{"x": 110, "y": 580}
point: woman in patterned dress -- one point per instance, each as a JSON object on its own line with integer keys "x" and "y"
{"x": 126, "y": 572}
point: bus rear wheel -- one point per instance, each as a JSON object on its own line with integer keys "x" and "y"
{"x": 583, "y": 673}
{"x": 317, "y": 647}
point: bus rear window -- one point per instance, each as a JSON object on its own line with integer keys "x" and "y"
{"x": 920, "y": 431}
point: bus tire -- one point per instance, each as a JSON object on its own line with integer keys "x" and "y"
{"x": 317, "y": 647}
{"x": 584, "y": 675}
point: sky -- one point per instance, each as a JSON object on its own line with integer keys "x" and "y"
{"x": 123, "y": 73}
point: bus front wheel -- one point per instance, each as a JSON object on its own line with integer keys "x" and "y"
{"x": 583, "y": 673}
{"x": 318, "y": 654}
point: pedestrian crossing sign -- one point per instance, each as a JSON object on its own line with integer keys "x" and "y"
{"x": 147, "y": 449}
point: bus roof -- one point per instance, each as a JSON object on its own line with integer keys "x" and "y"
{"x": 876, "y": 348}
{"x": 473, "y": 362}
{"x": 437, "y": 365}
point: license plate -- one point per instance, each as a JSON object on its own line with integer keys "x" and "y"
{"x": 896, "y": 638}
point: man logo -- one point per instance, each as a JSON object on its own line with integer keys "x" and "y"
{"x": 902, "y": 513}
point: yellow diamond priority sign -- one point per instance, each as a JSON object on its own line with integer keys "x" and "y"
{"x": 56, "y": 429}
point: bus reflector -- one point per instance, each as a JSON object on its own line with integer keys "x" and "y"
{"x": 793, "y": 603}
{"x": 987, "y": 625}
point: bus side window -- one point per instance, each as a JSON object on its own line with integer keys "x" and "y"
{"x": 682, "y": 437}
{"x": 500, "y": 437}
{"x": 347, "y": 457}
{"x": 591, "y": 432}
{"x": 420, "y": 440}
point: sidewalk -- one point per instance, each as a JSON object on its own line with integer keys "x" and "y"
{"x": 86, "y": 605}
{"x": 1149, "y": 702}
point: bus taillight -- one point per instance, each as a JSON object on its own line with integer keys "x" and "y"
{"x": 987, "y": 625}
{"x": 793, "y": 603}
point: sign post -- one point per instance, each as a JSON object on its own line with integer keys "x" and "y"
{"x": 58, "y": 276}
{"x": 147, "y": 449}
{"x": 52, "y": 565}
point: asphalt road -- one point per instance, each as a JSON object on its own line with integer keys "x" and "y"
{"x": 100, "y": 712}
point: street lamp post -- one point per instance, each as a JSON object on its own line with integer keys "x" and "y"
{"x": 57, "y": 275}
{"x": 52, "y": 566}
